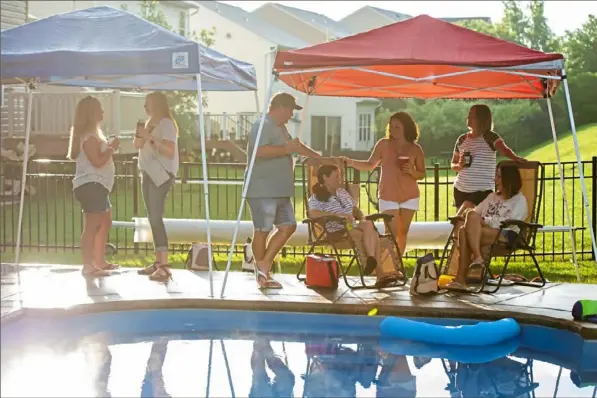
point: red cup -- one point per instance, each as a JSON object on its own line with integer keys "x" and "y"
{"x": 402, "y": 160}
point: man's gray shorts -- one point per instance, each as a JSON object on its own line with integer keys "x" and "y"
{"x": 267, "y": 212}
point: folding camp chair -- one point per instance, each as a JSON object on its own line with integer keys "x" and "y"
{"x": 391, "y": 267}
{"x": 504, "y": 377}
{"x": 532, "y": 174}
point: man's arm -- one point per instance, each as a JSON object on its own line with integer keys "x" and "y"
{"x": 304, "y": 150}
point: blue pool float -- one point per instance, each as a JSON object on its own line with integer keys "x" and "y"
{"x": 480, "y": 334}
{"x": 461, "y": 354}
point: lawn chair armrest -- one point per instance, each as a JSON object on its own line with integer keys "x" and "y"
{"x": 519, "y": 223}
{"x": 325, "y": 219}
{"x": 378, "y": 216}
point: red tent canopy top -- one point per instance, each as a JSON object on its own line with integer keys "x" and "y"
{"x": 421, "y": 57}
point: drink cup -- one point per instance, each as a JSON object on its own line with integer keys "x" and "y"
{"x": 402, "y": 160}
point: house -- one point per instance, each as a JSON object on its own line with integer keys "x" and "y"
{"x": 176, "y": 12}
{"x": 311, "y": 27}
{"x": 331, "y": 124}
{"x": 368, "y": 17}
{"x": 13, "y": 13}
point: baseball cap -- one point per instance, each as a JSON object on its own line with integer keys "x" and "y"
{"x": 285, "y": 100}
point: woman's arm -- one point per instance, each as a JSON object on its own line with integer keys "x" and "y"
{"x": 164, "y": 147}
{"x": 138, "y": 142}
{"x": 314, "y": 213}
{"x": 93, "y": 150}
{"x": 504, "y": 150}
{"x": 371, "y": 163}
{"x": 358, "y": 214}
{"x": 418, "y": 172}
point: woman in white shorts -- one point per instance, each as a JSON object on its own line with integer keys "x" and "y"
{"x": 402, "y": 164}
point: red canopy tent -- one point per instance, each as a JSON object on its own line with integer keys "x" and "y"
{"x": 427, "y": 58}
{"x": 421, "y": 57}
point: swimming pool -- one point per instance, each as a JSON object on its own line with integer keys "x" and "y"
{"x": 195, "y": 352}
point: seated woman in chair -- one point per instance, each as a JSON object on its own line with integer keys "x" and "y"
{"x": 329, "y": 199}
{"x": 482, "y": 224}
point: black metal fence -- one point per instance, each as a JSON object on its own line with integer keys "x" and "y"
{"x": 52, "y": 219}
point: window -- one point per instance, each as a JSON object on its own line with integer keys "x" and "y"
{"x": 182, "y": 23}
{"x": 365, "y": 127}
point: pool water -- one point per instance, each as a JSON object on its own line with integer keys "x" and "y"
{"x": 200, "y": 353}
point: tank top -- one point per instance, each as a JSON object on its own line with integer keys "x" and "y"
{"x": 85, "y": 172}
{"x": 394, "y": 185}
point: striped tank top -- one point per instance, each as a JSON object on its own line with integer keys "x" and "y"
{"x": 480, "y": 175}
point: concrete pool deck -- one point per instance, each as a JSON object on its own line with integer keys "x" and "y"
{"x": 60, "y": 289}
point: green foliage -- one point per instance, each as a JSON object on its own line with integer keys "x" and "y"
{"x": 522, "y": 124}
{"x": 581, "y": 48}
{"x": 184, "y": 104}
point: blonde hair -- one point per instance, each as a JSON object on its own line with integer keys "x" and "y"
{"x": 160, "y": 107}
{"x": 483, "y": 118}
{"x": 86, "y": 121}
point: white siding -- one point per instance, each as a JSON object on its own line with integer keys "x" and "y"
{"x": 12, "y": 13}
{"x": 43, "y": 9}
{"x": 365, "y": 19}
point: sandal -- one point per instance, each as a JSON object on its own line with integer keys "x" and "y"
{"x": 161, "y": 274}
{"x": 270, "y": 283}
{"x": 95, "y": 273}
{"x": 384, "y": 282}
{"x": 370, "y": 265}
{"x": 148, "y": 270}
{"x": 475, "y": 272}
{"x": 457, "y": 286}
{"x": 109, "y": 266}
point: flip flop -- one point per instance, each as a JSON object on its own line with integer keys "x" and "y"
{"x": 95, "y": 273}
{"x": 148, "y": 270}
{"x": 110, "y": 267}
{"x": 458, "y": 287}
{"x": 161, "y": 274}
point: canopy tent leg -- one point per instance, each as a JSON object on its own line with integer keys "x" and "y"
{"x": 555, "y": 390}
{"x": 247, "y": 180}
{"x": 205, "y": 176}
{"x": 563, "y": 185}
{"x": 228, "y": 372}
{"x": 23, "y": 180}
{"x": 579, "y": 164}
{"x": 211, "y": 349}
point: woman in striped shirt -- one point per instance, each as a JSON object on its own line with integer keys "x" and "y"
{"x": 474, "y": 159}
{"x": 329, "y": 199}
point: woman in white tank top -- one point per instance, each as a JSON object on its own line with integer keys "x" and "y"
{"x": 94, "y": 178}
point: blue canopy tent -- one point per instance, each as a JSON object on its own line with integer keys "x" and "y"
{"x": 112, "y": 48}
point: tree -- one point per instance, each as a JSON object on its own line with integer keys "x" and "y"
{"x": 581, "y": 47}
{"x": 184, "y": 104}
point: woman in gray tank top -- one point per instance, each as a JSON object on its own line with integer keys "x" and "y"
{"x": 94, "y": 178}
{"x": 158, "y": 163}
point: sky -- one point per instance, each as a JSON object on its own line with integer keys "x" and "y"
{"x": 576, "y": 11}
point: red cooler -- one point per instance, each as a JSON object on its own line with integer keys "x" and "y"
{"x": 322, "y": 271}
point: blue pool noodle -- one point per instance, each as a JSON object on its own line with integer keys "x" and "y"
{"x": 480, "y": 334}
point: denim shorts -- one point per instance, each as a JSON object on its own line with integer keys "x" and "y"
{"x": 93, "y": 196}
{"x": 267, "y": 212}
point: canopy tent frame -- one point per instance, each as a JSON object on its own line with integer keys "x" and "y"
{"x": 311, "y": 88}
{"x": 246, "y": 82}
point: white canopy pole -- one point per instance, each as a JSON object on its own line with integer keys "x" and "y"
{"x": 563, "y": 185}
{"x": 205, "y": 177}
{"x": 579, "y": 164}
{"x": 247, "y": 180}
{"x": 24, "y": 178}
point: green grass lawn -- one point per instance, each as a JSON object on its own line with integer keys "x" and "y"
{"x": 53, "y": 218}
{"x": 587, "y": 139}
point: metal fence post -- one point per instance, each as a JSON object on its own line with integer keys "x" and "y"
{"x": 436, "y": 197}
{"x": 136, "y": 196}
{"x": 594, "y": 194}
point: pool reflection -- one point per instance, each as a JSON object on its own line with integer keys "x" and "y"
{"x": 268, "y": 366}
